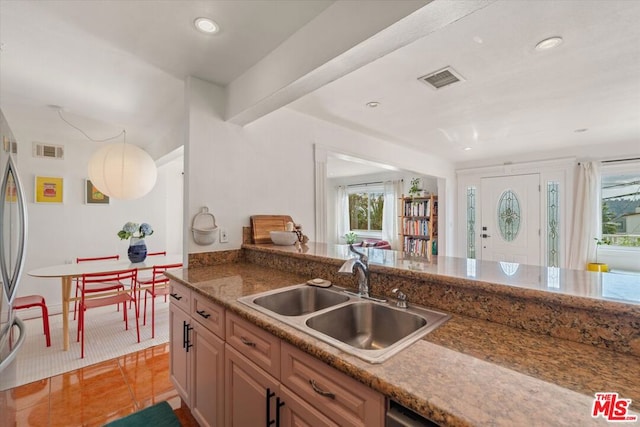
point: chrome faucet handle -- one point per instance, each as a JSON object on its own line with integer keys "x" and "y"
{"x": 402, "y": 298}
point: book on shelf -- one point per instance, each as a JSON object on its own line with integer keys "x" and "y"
{"x": 417, "y": 207}
{"x": 416, "y": 227}
{"x": 417, "y": 246}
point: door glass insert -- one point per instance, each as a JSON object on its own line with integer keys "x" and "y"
{"x": 471, "y": 222}
{"x": 553, "y": 224}
{"x": 509, "y": 215}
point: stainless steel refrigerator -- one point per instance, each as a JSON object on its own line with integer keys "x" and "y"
{"x": 13, "y": 237}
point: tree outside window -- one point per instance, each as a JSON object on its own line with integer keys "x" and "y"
{"x": 365, "y": 210}
{"x": 621, "y": 210}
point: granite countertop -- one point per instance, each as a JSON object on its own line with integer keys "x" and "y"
{"x": 467, "y": 372}
{"x": 620, "y": 291}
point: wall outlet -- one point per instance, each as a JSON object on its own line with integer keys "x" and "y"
{"x": 223, "y": 235}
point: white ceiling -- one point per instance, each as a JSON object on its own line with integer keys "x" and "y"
{"x": 122, "y": 64}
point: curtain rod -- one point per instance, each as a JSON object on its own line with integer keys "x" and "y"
{"x": 621, "y": 160}
{"x": 365, "y": 183}
{"x": 617, "y": 160}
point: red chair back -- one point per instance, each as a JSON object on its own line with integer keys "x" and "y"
{"x": 158, "y": 270}
{"x": 121, "y": 276}
{"x": 163, "y": 253}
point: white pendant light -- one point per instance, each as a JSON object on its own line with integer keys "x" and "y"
{"x": 122, "y": 171}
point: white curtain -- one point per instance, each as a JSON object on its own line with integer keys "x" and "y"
{"x": 586, "y": 216}
{"x": 392, "y": 191}
{"x": 342, "y": 213}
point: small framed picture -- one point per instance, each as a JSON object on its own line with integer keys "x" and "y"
{"x": 49, "y": 189}
{"x": 93, "y": 196}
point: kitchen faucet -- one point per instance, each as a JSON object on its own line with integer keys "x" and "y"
{"x": 360, "y": 266}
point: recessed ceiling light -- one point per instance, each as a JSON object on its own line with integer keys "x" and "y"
{"x": 206, "y": 25}
{"x": 467, "y": 148}
{"x": 373, "y": 104}
{"x": 549, "y": 43}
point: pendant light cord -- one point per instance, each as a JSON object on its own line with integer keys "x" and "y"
{"x": 87, "y": 136}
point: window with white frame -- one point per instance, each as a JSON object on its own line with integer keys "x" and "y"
{"x": 620, "y": 196}
{"x": 366, "y": 204}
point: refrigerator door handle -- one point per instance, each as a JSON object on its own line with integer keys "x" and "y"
{"x": 14, "y": 351}
{"x": 11, "y": 192}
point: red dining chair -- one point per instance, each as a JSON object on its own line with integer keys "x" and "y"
{"x": 92, "y": 299}
{"x": 157, "y": 285}
{"x": 97, "y": 287}
{"x": 144, "y": 277}
{"x": 29, "y": 301}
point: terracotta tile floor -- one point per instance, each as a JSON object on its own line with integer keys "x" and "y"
{"x": 97, "y": 394}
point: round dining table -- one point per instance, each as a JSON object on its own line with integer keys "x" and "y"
{"x": 68, "y": 272}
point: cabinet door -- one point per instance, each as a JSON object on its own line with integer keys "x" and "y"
{"x": 246, "y": 388}
{"x": 207, "y": 375}
{"x": 298, "y": 413}
{"x": 180, "y": 358}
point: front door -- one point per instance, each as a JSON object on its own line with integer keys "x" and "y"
{"x": 510, "y": 219}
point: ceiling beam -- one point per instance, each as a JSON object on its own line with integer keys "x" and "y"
{"x": 331, "y": 46}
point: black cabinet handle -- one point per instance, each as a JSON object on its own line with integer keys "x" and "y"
{"x": 203, "y": 314}
{"x": 187, "y": 330}
{"x": 184, "y": 334}
{"x": 270, "y": 394}
{"x": 279, "y": 404}
{"x": 247, "y": 342}
{"x": 320, "y": 391}
{"x": 176, "y": 296}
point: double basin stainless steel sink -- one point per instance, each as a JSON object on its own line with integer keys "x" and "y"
{"x": 370, "y": 330}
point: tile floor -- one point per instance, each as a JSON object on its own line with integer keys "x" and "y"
{"x": 97, "y": 394}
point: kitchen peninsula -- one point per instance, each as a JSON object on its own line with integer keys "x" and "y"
{"x": 525, "y": 345}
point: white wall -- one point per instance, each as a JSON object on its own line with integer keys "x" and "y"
{"x": 59, "y": 233}
{"x": 267, "y": 167}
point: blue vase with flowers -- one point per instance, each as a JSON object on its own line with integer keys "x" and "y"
{"x": 137, "y": 246}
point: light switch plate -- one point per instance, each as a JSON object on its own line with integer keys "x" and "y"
{"x": 223, "y": 235}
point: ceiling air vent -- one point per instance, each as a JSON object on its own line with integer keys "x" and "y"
{"x": 441, "y": 78}
{"x": 48, "y": 150}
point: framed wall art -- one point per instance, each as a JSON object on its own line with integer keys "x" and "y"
{"x": 48, "y": 189}
{"x": 93, "y": 196}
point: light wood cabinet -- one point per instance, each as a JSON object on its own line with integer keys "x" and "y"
{"x": 231, "y": 372}
{"x": 250, "y": 392}
{"x": 207, "y": 377}
{"x": 419, "y": 225}
{"x": 346, "y": 401}
{"x": 297, "y": 389}
{"x": 197, "y": 354}
{"x": 180, "y": 361}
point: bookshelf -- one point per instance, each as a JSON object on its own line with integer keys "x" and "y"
{"x": 419, "y": 225}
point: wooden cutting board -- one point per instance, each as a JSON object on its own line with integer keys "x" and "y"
{"x": 261, "y": 225}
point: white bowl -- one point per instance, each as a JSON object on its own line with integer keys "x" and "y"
{"x": 283, "y": 238}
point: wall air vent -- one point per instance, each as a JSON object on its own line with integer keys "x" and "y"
{"x": 48, "y": 150}
{"x": 441, "y": 78}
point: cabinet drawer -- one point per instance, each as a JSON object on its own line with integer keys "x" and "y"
{"x": 346, "y": 401}
{"x": 208, "y": 314}
{"x": 180, "y": 296}
{"x": 258, "y": 345}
